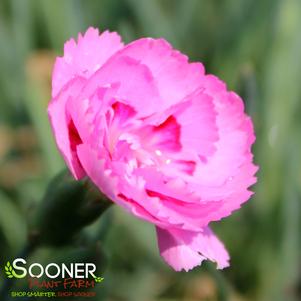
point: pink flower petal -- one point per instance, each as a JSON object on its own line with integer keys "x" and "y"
{"x": 106, "y": 179}
{"x": 134, "y": 83}
{"x": 198, "y": 124}
{"x": 61, "y": 122}
{"x": 97, "y": 171}
{"x": 185, "y": 250}
{"x": 174, "y": 75}
{"x": 84, "y": 57}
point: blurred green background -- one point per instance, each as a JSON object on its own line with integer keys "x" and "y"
{"x": 253, "y": 45}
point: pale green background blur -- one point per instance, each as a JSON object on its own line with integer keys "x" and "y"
{"x": 253, "y": 45}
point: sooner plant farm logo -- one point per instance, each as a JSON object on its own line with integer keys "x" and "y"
{"x": 65, "y": 280}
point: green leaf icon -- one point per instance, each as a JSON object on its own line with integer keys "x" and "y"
{"x": 98, "y": 279}
{"x": 9, "y": 270}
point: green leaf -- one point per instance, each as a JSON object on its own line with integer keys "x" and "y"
{"x": 12, "y": 223}
{"x": 9, "y": 270}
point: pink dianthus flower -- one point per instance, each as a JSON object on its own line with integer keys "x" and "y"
{"x": 156, "y": 135}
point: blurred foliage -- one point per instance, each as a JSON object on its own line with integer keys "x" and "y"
{"x": 255, "y": 46}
